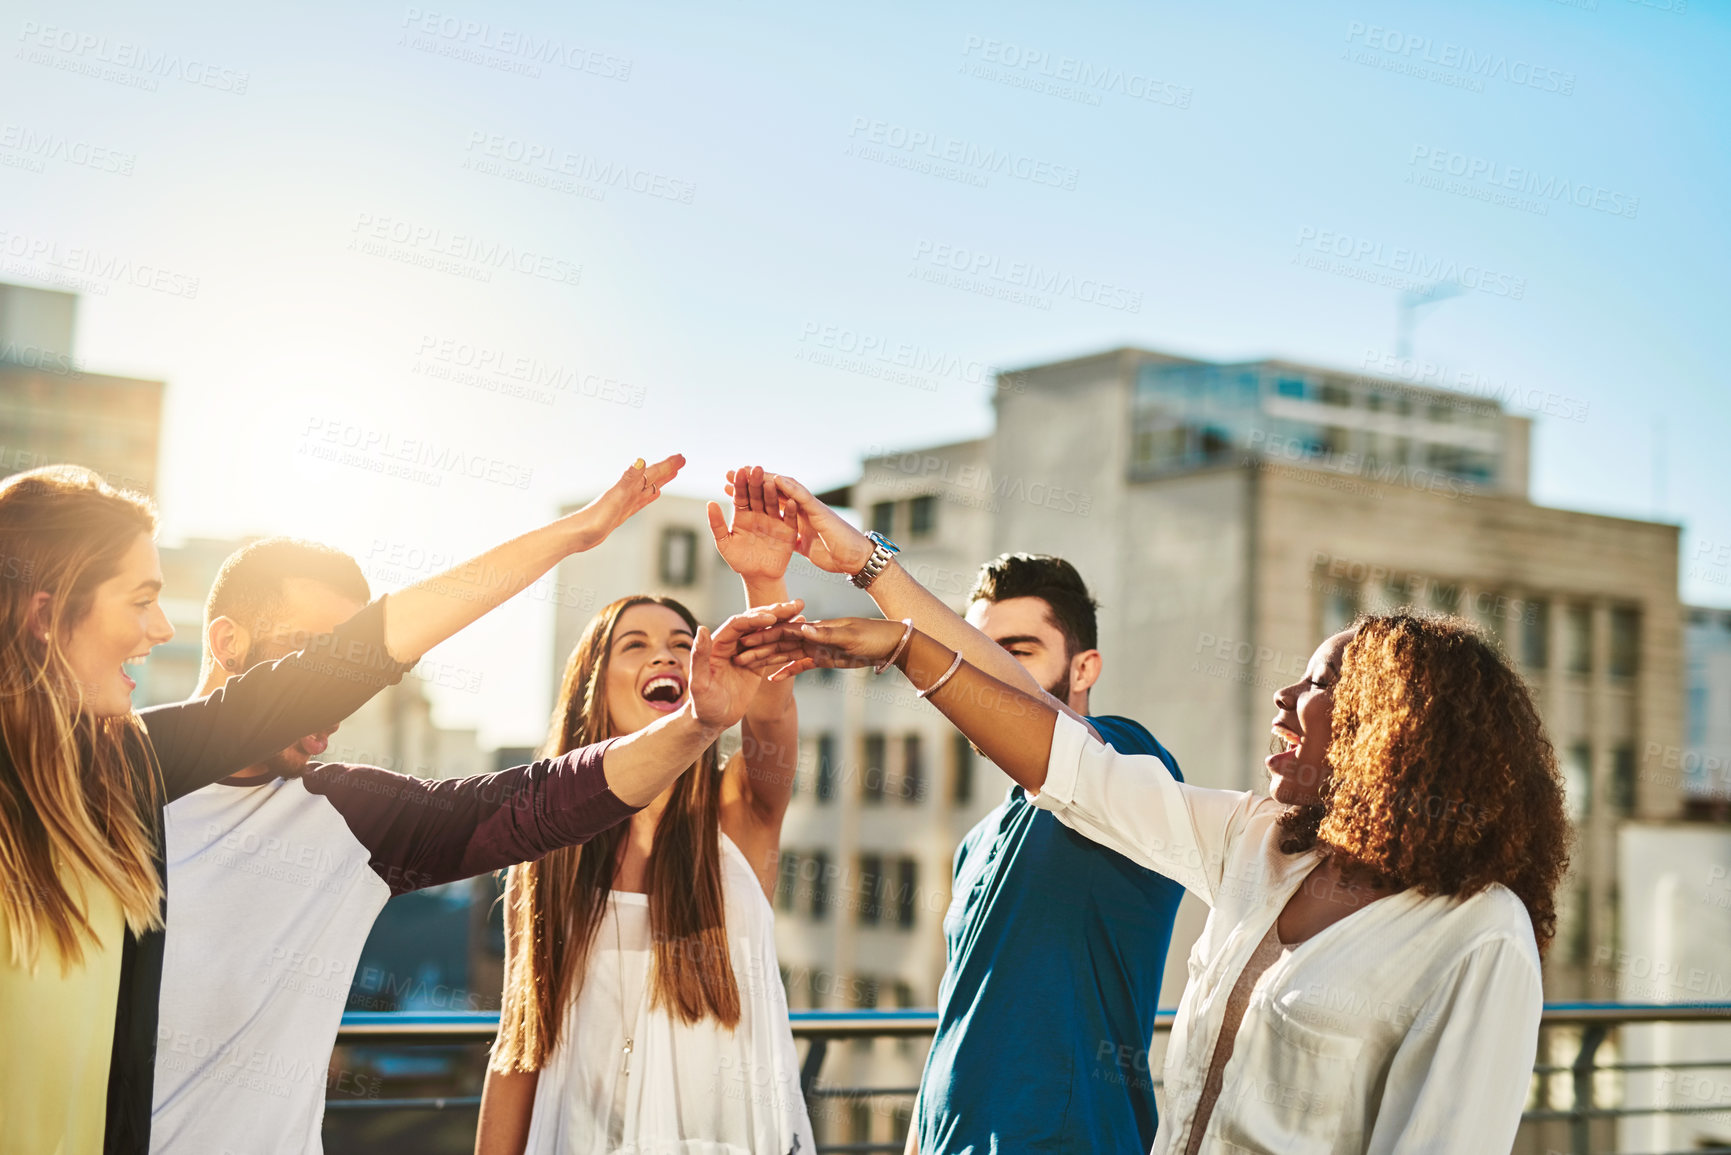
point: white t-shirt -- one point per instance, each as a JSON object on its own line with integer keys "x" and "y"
{"x": 275, "y": 889}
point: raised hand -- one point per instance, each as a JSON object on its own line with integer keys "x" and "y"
{"x": 824, "y": 536}
{"x": 639, "y": 485}
{"x": 721, "y": 688}
{"x": 761, "y": 542}
{"x": 784, "y": 650}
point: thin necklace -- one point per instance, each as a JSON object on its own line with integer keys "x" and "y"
{"x": 619, "y": 953}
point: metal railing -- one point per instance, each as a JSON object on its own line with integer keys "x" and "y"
{"x": 1582, "y": 1115}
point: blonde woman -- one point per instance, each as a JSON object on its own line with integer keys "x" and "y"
{"x": 643, "y": 1007}
{"x": 83, "y": 779}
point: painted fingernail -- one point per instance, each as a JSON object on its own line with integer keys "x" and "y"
{"x": 638, "y": 464}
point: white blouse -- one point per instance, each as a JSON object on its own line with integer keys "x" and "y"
{"x": 688, "y": 1088}
{"x": 1408, "y": 1026}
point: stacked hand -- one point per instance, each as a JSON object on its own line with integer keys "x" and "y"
{"x": 721, "y": 685}
{"x": 761, "y": 542}
{"x": 823, "y": 536}
{"x": 639, "y": 485}
{"x": 791, "y": 647}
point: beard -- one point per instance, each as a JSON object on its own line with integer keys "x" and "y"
{"x": 1061, "y": 688}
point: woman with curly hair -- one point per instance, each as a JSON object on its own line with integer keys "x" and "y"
{"x": 1368, "y": 978}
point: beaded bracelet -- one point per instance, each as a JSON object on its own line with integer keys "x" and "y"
{"x": 947, "y": 675}
{"x": 907, "y": 632}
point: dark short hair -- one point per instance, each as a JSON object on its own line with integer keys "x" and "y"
{"x": 1051, "y": 579}
{"x": 249, "y": 586}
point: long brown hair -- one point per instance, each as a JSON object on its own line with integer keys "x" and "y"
{"x": 554, "y": 906}
{"x": 1442, "y": 776}
{"x": 70, "y": 800}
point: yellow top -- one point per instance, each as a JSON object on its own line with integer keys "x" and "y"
{"x": 56, "y": 1037}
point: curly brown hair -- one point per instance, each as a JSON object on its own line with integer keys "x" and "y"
{"x": 1442, "y": 777}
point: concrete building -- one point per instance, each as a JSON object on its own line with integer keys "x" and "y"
{"x": 53, "y": 411}
{"x": 1704, "y": 766}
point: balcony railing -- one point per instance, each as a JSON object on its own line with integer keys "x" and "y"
{"x": 1574, "y": 1106}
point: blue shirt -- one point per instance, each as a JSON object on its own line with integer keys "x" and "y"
{"x": 1056, "y": 946}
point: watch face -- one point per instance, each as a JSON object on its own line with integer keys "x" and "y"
{"x": 886, "y": 543}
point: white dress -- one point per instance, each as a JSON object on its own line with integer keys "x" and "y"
{"x": 690, "y": 1089}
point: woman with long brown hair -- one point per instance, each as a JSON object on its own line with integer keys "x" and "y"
{"x": 643, "y": 1006}
{"x": 83, "y": 778}
{"x": 1368, "y": 980}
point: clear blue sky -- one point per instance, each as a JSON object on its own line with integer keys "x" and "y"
{"x": 1273, "y": 124}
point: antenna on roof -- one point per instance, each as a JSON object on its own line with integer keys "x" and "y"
{"x": 1410, "y": 302}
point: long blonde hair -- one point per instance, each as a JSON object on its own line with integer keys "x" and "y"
{"x": 71, "y": 799}
{"x": 555, "y": 906}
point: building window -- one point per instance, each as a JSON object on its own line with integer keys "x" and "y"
{"x": 1574, "y": 928}
{"x": 787, "y": 881}
{"x": 1622, "y": 784}
{"x": 872, "y": 769}
{"x": 825, "y": 767}
{"x": 922, "y": 515}
{"x": 819, "y": 886}
{"x": 1625, "y": 642}
{"x": 1578, "y": 780}
{"x": 1340, "y": 601}
{"x": 884, "y": 518}
{"x": 1332, "y": 394}
{"x": 871, "y": 871}
{"x": 913, "y": 770}
{"x": 1578, "y": 638}
{"x": 907, "y": 882}
{"x": 1536, "y": 634}
{"x": 962, "y": 782}
{"x": 678, "y": 561}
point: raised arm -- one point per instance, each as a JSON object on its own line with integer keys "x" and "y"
{"x": 1129, "y": 802}
{"x": 833, "y": 545}
{"x": 422, "y": 833}
{"x": 257, "y": 713}
{"x": 758, "y": 547}
{"x": 425, "y": 614}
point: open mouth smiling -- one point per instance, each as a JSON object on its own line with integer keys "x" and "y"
{"x": 135, "y": 661}
{"x": 1283, "y": 744}
{"x": 664, "y": 692}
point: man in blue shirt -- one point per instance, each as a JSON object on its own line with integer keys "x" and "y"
{"x": 1055, "y": 944}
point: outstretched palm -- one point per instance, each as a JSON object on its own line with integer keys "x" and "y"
{"x": 761, "y": 541}
{"x": 637, "y": 487}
